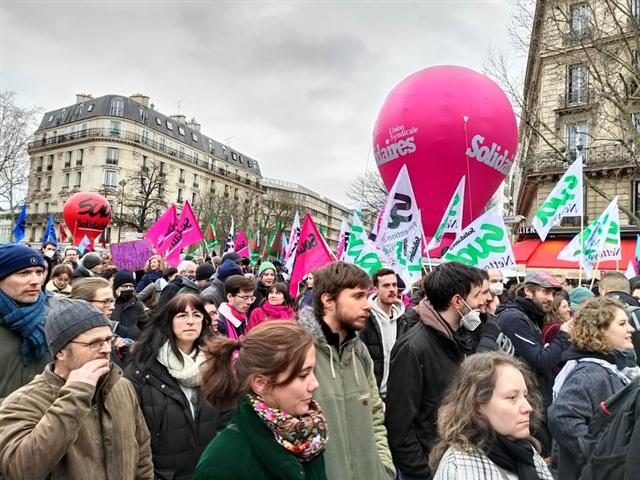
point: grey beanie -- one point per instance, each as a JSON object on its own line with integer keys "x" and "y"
{"x": 91, "y": 260}
{"x": 67, "y": 318}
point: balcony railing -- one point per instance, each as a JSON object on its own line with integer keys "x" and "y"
{"x": 98, "y": 133}
{"x": 604, "y": 156}
{"x": 574, "y": 99}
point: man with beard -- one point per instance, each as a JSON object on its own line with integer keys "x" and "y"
{"x": 425, "y": 359}
{"x": 381, "y": 329}
{"x": 348, "y": 392}
{"x": 521, "y": 321}
{"x": 80, "y": 418}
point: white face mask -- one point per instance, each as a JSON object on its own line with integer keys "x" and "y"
{"x": 471, "y": 319}
{"x": 49, "y": 253}
{"x": 496, "y": 288}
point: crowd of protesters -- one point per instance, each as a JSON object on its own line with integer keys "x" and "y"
{"x": 212, "y": 370}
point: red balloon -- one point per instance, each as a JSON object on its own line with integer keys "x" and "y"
{"x": 86, "y": 213}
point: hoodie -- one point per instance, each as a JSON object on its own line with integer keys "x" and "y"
{"x": 348, "y": 394}
{"x": 379, "y": 335}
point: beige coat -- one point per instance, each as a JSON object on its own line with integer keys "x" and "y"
{"x": 52, "y": 430}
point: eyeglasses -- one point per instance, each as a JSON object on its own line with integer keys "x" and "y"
{"x": 96, "y": 345}
{"x": 247, "y": 298}
{"x": 183, "y": 316}
{"x": 106, "y": 302}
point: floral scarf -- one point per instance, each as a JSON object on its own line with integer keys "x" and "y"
{"x": 305, "y": 436}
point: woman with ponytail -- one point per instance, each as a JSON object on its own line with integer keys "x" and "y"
{"x": 278, "y": 430}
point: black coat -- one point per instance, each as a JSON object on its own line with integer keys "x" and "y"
{"x": 130, "y": 316}
{"x": 170, "y": 291}
{"x": 177, "y": 440}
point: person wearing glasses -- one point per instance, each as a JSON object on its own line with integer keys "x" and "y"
{"x": 233, "y": 312}
{"x": 80, "y": 418}
{"x": 165, "y": 371}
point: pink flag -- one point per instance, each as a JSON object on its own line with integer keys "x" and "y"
{"x": 162, "y": 231}
{"x": 187, "y": 233}
{"x": 311, "y": 253}
{"x": 241, "y": 245}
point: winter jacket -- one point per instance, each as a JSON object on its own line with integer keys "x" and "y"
{"x": 215, "y": 292}
{"x": 177, "y": 440}
{"x": 147, "y": 279}
{"x": 458, "y": 465}
{"x": 270, "y": 312}
{"x": 357, "y": 447}
{"x": 52, "y": 287}
{"x": 371, "y": 336}
{"x": 261, "y": 293}
{"x": 13, "y": 374}
{"x": 585, "y": 387}
{"x": 131, "y": 317}
{"x": 189, "y": 286}
{"x": 522, "y": 322}
{"x": 170, "y": 291}
{"x": 247, "y": 450}
{"x": 423, "y": 364}
{"x": 74, "y": 431}
{"x": 81, "y": 272}
{"x": 229, "y": 325}
{"x": 407, "y": 321}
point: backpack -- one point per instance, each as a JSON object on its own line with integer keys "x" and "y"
{"x": 616, "y": 434}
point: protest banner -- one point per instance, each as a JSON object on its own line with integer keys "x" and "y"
{"x": 131, "y": 255}
{"x": 186, "y": 233}
{"x": 452, "y": 218}
{"x": 160, "y": 232}
{"x": 311, "y": 253}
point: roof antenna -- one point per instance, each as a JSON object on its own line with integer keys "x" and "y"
{"x": 179, "y": 104}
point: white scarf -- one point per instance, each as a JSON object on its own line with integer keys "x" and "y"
{"x": 187, "y": 372}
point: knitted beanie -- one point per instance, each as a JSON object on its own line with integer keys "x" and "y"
{"x": 121, "y": 277}
{"x": 204, "y": 271}
{"x": 91, "y": 260}
{"x": 68, "y": 318}
{"x": 228, "y": 268}
{"x": 15, "y": 257}
{"x": 264, "y": 266}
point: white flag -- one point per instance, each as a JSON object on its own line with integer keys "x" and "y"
{"x": 452, "y": 219}
{"x": 630, "y": 272}
{"x": 565, "y": 200}
{"x": 293, "y": 243}
{"x": 230, "y": 238}
{"x": 360, "y": 250}
{"x": 484, "y": 243}
{"x": 343, "y": 239}
{"x": 400, "y": 230}
{"x": 589, "y": 244}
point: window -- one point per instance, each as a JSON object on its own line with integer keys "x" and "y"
{"x": 50, "y": 162}
{"x": 577, "y": 85}
{"x": 577, "y": 135}
{"x": 181, "y": 130}
{"x": 210, "y": 163}
{"x": 110, "y": 178}
{"x": 181, "y": 176}
{"x": 194, "y": 195}
{"x": 181, "y": 151}
{"x": 112, "y": 156}
{"x": 142, "y": 113}
{"x": 46, "y": 207}
{"x": 241, "y": 159}
{"x": 38, "y": 183}
{"x": 195, "y": 180}
{"x": 79, "y": 109}
{"x": 194, "y": 136}
{"x": 145, "y": 136}
{"x": 39, "y": 164}
{"x": 163, "y": 144}
{"x": 35, "y": 208}
{"x": 579, "y": 16}
{"x": 117, "y": 107}
{"x": 249, "y": 164}
{"x": 48, "y": 187}
{"x": 224, "y": 151}
{"x": 169, "y": 125}
{"x": 162, "y": 169}
{"x": 145, "y": 163}
{"x": 212, "y": 186}
{"x": 51, "y": 120}
{"x": 196, "y": 157}
{"x": 158, "y": 121}
{"x": 90, "y": 107}
{"x": 212, "y": 148}
{"x": 636, "y": 9}
{"x": 83, "y": 130}
{"x": 233, "y": 156}
{"x": 79, "y": 157}
{"x": 114, "y": 128}
{"x": 65, "y": 183}
{"x": 180, "y": 195}
{"x": 78, "y": 180}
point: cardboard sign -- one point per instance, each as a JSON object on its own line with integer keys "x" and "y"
{"x": 131, "y": 255}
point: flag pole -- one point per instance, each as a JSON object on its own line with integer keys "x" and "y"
{"x": 580, "y": 261}
{"x": 593, "y": 278}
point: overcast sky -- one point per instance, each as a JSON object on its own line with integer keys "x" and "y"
{"x": 293, "y": 85}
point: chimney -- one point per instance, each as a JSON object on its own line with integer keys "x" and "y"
{"x": 140, "y": 98}
{"x": 179, "y": 118}
{"x": 194, "y": 124}
{"x": 83, "y": 97}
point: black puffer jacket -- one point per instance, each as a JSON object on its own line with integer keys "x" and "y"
{"x": 170, "y": 291}
{"x": 177, "y": 440}
{"x": 131, "y": 317}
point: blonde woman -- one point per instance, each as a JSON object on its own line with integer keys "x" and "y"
{"x": 589, "y": 377}
{"x": 485, "y": 421}
{"x": 153, "y": 271}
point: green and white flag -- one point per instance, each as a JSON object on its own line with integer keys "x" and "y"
{"x": 399, "y": 235}
{"x": 452, "y": 219}
{"x": 484, "y": 243}
{"x": 592, "y": 242}
{"x": 360, "y": 251}
{"x": 565, "y": 200}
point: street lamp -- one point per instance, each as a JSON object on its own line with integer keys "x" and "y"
{"x": 122, "y": 183}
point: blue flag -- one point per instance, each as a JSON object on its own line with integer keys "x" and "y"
{"x": 21, "y": 222}
{"x": 50, "y": 232}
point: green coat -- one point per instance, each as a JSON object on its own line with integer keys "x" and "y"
{"x": 247, "y": 450}
{"x": 348, "y": 394}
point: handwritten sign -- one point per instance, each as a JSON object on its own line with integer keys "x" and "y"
{"x": 131, "y": 255}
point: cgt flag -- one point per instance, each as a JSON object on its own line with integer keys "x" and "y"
{"x": 241, "y": 245}
{"x": 186, "y": 233}
{"x": 311, "y": 253}
{"x": 161, "y": 232}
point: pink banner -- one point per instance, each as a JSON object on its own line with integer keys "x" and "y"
{"x": 241, "y": 245}
{"x": 162, "y": 231}
{"x": 186, "y": 233}
{"x": 311, "y": 253}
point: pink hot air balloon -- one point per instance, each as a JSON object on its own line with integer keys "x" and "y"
{"x": 445, "y": 122}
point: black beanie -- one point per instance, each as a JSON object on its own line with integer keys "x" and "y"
{"x": 204, "y": 271}
{"x": 121, "y": 277}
